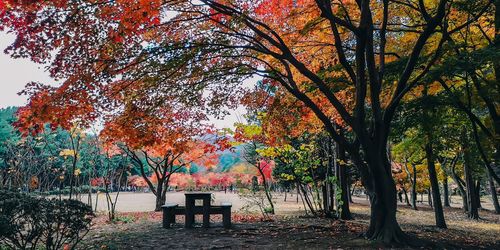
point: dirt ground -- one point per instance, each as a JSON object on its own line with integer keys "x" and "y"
{"x": 288, "y": 230}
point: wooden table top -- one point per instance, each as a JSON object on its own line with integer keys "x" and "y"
{"x": 198, "y": 194}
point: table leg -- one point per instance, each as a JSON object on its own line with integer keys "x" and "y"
{"x": 206, "y": 212}
{"x": 168, "y": 215}
{"x": 189, "y": 220}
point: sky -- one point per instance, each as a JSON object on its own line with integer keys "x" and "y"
{"x": 16, "y": 73}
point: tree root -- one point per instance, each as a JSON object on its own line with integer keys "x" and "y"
{"x": 395, "y": 237}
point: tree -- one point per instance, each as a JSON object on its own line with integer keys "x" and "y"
{"x": 75, "y": 137}
{"x": 299, "y": 165}
{"x": 252, "y": 139}
{"x": 8, "y": 137}
{"x": 474, "y": 62}
{"x": 211, "y": 43}
{"x": 409, "y": 152}
{"x": 161, "y": 142}
{"x": 285, "y": 122}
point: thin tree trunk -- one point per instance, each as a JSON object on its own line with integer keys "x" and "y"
{"x": 298, "y": 193}
{"x": 327, "y": 187}
{"x": 349, "y": 191}
{"x": 469, "y": 181}
{"x": 111, "y": 216}
{"x": 305, "y": 197}
{"x": 429, "y": 198}
{"x": 96, "y": 201}
{"x": 345, "y": 213}
{"x": 494, "y": 196}
{"x": 72, "y": 178}
{"x": 89, "y": 198}
{"x": 478, "y": 193}
{"x": 412, "y": 179}
{"x": 407, "y": 200}
{"x": 332, "y": 189}
{"x": 75, "y": 147}
{"x": 266, "y": 190}
{"x": 461, "y": 188}
{"x": 352, "y": 189}
{"x": 301, "y": 198}
{"x": 446, "y": 196}
{"x": 414, "y": 188}
{"x": 436, "y": 198}
{"x": 324, "y": 191}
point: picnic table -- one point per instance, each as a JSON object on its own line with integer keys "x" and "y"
{"x": 170, "y": 210}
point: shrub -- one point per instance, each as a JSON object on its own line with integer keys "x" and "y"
{"x": 255, "y": 200}
{"x": 124, "y": 219}
{"x": 19, "y": 220}
{"x": 28, "y": 222}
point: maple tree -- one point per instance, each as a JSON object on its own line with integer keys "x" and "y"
{"x": 376, "y": 50}
{"x": 162, "y": 142}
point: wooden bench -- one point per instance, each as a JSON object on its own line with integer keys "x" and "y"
{"x": 170, "y": 210}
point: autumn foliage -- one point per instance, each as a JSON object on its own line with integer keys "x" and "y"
{"x": 152, "y": 71}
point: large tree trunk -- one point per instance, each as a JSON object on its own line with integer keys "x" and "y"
{"x": 494, "y": 196}
{"x": 383, "y": 224}
{"x": 381, "y": 188}
{"x": 436, "y": 198}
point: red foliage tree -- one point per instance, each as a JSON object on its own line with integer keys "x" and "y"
{"x": 160, "y": 142}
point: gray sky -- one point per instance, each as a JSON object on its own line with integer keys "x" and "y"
{"x": 15, "y": 73}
